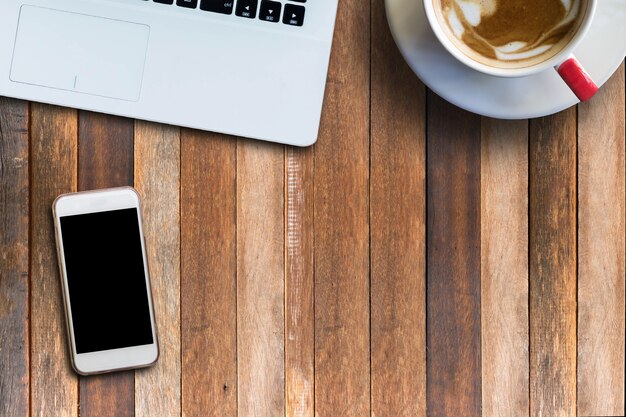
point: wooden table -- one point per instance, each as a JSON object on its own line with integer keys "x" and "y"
{"x": 419, "y": 260}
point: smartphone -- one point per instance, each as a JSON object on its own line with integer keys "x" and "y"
{"x": 105, "y": 280}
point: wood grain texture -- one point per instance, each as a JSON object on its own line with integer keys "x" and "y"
{"x": 105, "y": 159}
{"x": 504, "y": 267}
{"x": 105, "y": 145}
{"x": 398, "y": 229}
{"x": 552, "y": 257}
{"x": 14, "y": 253}
{"x": 260, "y": 279}
{"x": 329, "y": 246}
{"x": 157, "y": 179}
{"x": 341, "y": 211}
{"x": 453, "y": 384}
{"x": 54, "y": 386}
{"x": 299, "y": 277}
{"x": 208, "y": 274}
{"x": 601, "y": 245}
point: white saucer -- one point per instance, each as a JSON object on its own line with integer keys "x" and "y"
{"x": 600, "y": 52}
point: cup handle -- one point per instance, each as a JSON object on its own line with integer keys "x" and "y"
{"x": 577, "y": 78}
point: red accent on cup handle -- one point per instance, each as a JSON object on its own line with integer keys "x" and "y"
{"x": 577, "y": 79}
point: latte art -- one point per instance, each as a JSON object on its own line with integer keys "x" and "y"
{"x": 510, "y": 33}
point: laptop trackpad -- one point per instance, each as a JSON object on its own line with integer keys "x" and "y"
{"x": 81, "y": 53}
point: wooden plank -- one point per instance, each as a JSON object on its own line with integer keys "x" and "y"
{"x": 341, "y": 211}
{"x": 14, "y": 277}
{"x": 453, "y": 384}
{"x": 157, "y": 178}
{"x": 105, "y": 159}
{"x": 504, "y": 267}
{"x": 260, "y": 279}
{"x": 54, "y": 386}
{"x": 208, "y": 275}
{"x": 552, "y": 257}
{"x": 299, "y": 311}
{"x": 398, "y": 229}
{"x": 601, "y": 232}
{"x": 105, "y": 145}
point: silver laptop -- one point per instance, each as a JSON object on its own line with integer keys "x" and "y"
{"x": 252, "y": 68}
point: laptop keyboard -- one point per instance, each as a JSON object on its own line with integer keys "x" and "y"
{"x": 266, "y": 10}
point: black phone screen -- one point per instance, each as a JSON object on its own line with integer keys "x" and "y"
{"x": 106, "y": 280}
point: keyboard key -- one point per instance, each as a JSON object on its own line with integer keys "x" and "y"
{"x": 294, "y": 15}
{"x": 217, "y": 6}
{"x": 299, "y": 1}
{"x": 270, "y": 11}
{"x": 190, "y": 4}
{"x": 164, "y": 1}
{"x": 246, "y": 8}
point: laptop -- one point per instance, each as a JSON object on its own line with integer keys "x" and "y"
{"x": 251, "y": 68}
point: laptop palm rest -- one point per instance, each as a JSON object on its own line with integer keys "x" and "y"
{"x": 79, "y": 53}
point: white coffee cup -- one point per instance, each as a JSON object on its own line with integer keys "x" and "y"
{"x": 563, "y": 62}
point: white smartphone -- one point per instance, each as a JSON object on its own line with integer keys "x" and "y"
{"x": 105, "y": 280}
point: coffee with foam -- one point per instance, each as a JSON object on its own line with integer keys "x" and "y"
{"x": 510, "y": 33}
